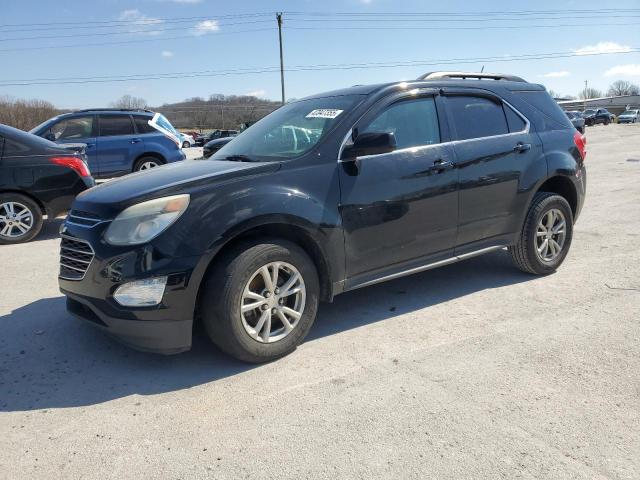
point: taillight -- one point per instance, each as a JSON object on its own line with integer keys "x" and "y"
{"x": 74, "y": 163}
{"x": 581, "y": 143}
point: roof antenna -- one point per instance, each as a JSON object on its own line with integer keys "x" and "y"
{"x": 482, "y": 71}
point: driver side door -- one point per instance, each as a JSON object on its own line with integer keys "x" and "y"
{"x": 400, "y": 209}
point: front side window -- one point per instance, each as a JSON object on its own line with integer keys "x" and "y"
{"x": 413, "y": 122}
{"x": 477, "y": 117}
{"x": 71, "y": 128}
{"x": 113, "y": 125}
{"x": 290, "y": 131}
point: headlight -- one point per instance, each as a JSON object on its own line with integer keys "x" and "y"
{"x": 145, "y": 221}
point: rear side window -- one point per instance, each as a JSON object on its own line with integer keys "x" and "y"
{"x": 477, "y": 117}
{"x": 111, "y": 125}
{"x": 142, "y": 124}
{"x": 552, "y": 115}
{"x": 515, "y": 121}
{"x": 413, "y": 122}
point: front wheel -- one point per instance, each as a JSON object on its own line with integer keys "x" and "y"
{"x": 185, "y": 145}
{"x": 20, "y": 219}
{"x": 260, "y": 300}
{"x": 546, "y": 236}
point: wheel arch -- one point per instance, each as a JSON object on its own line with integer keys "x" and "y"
{"x": 563, "y": 186}
{"x": 156, "y": 155}
{"x": 37, "y": 201}
{"x": 290, "y": 229}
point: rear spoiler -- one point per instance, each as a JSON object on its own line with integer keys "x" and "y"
{"x": 74, "y": 147}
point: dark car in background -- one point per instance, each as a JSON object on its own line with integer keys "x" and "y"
{"x": 202, "y": 139}
{"x": 629, "y": 116}
{"x": 37, "y": 178}
{"x": 327, "y": 194}
{"x": 119, "y": 141}
{"x": 594, "y": 116}
{"x": 214, "y": 145}
{"x": 576, "y": 119}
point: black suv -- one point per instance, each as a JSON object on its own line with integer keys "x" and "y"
{"x": 594, "y": 116}
{"x": 326, "y": 194}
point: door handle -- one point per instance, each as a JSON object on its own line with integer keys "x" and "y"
{"x": 136, "y": 140}
{"x": 522, "y": 147}
{"x": 440, "y": 166}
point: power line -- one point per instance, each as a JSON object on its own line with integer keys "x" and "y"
{"x": 484, "y": 27}
{"x": 126, "y": 42}
{"x": 463, "y": 14}
{"x": 316, "y": 67}
{"x": 125, "y": 32}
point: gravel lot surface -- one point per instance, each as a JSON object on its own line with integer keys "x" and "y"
{"x": 471, "y": 371}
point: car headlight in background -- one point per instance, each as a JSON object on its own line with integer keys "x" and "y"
{"x": 144, "y": 221}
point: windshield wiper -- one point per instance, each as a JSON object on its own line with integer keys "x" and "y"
{"x": 238, "y": 158}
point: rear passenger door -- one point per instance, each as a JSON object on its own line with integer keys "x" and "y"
{"x": 494, "y": 151}
{"x": 118, "y": 144}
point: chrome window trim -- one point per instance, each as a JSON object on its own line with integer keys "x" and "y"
{"x": 526, "y": 130}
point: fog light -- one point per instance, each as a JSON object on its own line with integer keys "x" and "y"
{"x": 141, "y": 293}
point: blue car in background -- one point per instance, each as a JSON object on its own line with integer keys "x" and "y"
{"x": 119, "y": 141}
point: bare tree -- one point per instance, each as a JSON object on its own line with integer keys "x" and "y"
{"x": 623, "y": 87}
{"x": 25, "y": 114}
{"x": 128, "y": 101}
{"x": 587, "y": 93}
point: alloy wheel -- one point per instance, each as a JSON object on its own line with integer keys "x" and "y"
{"x": 551, "y": 235}
{"x": 273, "y": 302}
{"x": 148, "y": 165}
{"x": 16, "y": 219}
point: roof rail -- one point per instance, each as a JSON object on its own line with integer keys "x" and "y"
{"x": 470, "y": 75}
{"x": 113, "y": 110}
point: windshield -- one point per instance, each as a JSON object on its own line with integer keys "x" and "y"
{"x": 589, "y": 112}
{"x": 570, "y": 115}
{"x": 290, "y": 131}
{"x": 629, "y": 112}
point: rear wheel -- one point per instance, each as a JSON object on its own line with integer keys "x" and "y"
{"x": 546, "y": 236}
{"x": 147, "y": 163}
{"x": 20, "y": 219}
{"x": 185, "y": 145}
{"x": 261, "y": 299}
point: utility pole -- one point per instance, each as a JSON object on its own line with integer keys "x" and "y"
{"x": 584, "y": 96}
{"x": 279, "y": 19}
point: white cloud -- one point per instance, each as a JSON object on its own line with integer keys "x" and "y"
{"x": 603, "y": 47}
{"x": 206, "y": 26}
{"x": 167, "y": 54}
{"x": 138, "y": 22}
{"x": 255, "y": 93}
{"x": 628, "y": 70}
{"x": 562, "y": 73}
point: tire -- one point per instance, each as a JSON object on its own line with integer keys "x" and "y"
{"x": 185, "y": 145}
{"x": 26, "y": 210}
{"x": 239, "y": 334}
{"x": 147, "y": 163}
{"x": 525, "y": 253}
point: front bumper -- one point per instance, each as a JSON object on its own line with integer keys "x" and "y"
{"x": 165, "y": 328}
{"x": 165, "y": 337}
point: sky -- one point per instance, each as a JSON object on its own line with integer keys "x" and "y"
{"x": 214, "y": 37}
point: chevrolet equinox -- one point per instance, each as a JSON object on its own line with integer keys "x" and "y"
{"x": 327, "y": 194}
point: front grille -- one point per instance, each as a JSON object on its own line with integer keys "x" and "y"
{"x": 83, "y": 219}
{"x": 75, "y": 257}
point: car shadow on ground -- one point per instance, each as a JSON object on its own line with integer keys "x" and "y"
{"x": 49, "y": 360}
{"x": 50, "y": 230}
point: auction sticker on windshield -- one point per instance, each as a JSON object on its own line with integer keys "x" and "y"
{"x": 324, "y": 113}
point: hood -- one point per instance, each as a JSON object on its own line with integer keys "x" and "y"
{"x": 110, "y": 198}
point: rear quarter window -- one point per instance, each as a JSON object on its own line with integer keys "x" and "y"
{"x": 549, "y": 113}
{"x": 142, "y": 124}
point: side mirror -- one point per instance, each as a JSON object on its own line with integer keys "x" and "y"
{"x": 373, "y": 143}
